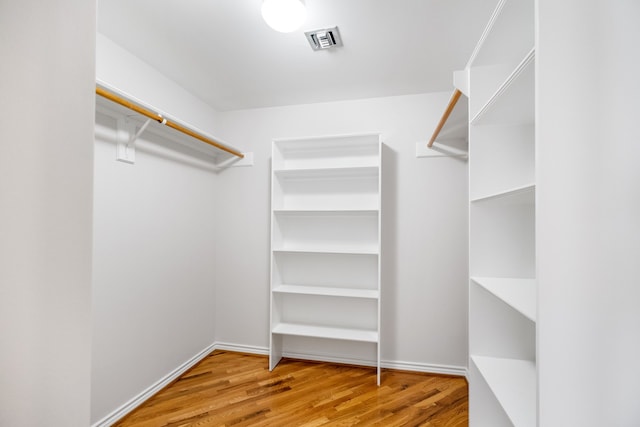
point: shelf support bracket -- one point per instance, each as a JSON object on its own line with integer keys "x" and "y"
{"x": 126, "y": 137}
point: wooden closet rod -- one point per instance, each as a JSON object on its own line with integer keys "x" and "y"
{"x": 162, "y": 120}
{"x": 445, "y": 116}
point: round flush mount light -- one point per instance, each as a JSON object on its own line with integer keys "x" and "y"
{"x": 284, "y": 15}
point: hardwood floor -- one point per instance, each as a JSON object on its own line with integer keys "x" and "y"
{"x": 236, "y": 389}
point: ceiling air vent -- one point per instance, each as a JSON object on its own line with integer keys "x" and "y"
{"x": 324, "y": 39}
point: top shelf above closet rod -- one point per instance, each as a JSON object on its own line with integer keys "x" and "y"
{"x": 452, "y": 103}
{"x": 119, "y": 99}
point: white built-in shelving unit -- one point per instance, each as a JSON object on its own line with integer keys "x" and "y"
{"x": 502, "y": 188}
{"x": 325, "y": 241}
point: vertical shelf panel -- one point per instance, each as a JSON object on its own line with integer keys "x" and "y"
{"x": 325, "y": 243}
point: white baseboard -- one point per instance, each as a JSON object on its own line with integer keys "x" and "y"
{"x": 136, "y": 401}
{"x": 241, "y": 348}
{"x": 459, "y": 371}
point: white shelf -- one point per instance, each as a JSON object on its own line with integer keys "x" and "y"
{"x": 512, "y": 103}
{"x": 332, "y": 151}
{"x": 336, "y": 145}
{"x": 328, "y": 172}
{"x": 327, "y": 291}
{"x": 519, "y": 195}
{"x": 312, "y": 250}
{"x": 517, "y": 293}
{"x": 325, "y": 332}
{"x": 326, "y": 212}
{"x": 513, "y": 382}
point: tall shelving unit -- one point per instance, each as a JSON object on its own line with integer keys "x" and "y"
{"x": 502, "y": 288}
{"x": 325, "y": 241}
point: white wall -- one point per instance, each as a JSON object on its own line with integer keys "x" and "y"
{"x": 46, "y": 158}
{"x": 154, "y": 273}
{"x": 424, "y": 226}
{"x": 588, "y": 191}
{"x": 154, "y": 239}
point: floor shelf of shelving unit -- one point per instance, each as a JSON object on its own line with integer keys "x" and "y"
{"x": 513, "y": 382}
{"x": 325, "y": 332}
{"x": 517, "y": 293}
{"x": 327, "y": 291}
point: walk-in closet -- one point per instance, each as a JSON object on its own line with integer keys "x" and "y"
{"x": 363, "y": 212}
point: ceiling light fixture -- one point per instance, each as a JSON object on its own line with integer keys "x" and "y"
{"x": 284, "y": 15}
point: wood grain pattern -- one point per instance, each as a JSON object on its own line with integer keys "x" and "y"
{"x": 236, "y": 389}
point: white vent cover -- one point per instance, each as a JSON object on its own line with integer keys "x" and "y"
{"x": 324, "y": 39}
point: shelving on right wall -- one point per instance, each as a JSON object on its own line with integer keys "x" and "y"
{"x": 502, "y": 264}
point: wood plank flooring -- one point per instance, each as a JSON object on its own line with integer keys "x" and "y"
{"x": 236, "y": 389}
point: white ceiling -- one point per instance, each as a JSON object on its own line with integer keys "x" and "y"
{"x": 223, "y": 52}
